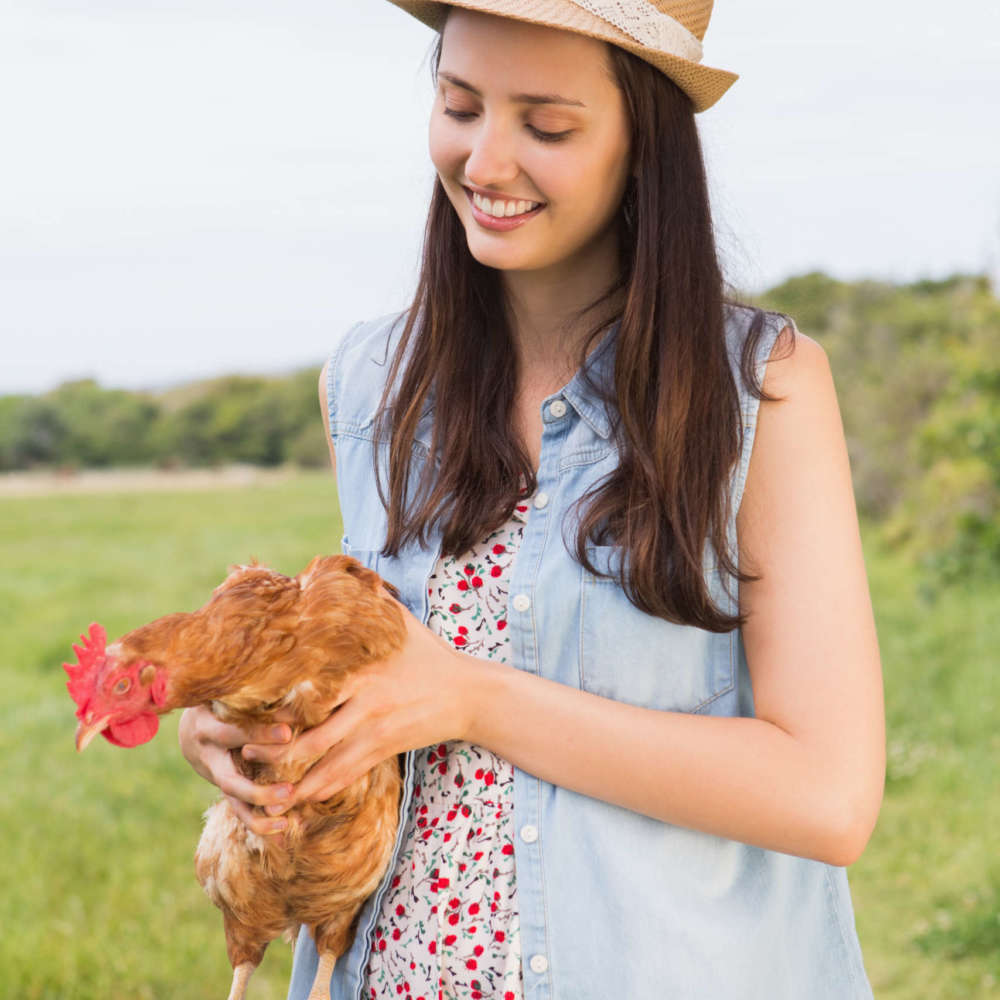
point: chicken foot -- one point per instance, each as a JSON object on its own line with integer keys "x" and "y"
{"x": 241, "y": 976}
{"x": 321, "y": 984}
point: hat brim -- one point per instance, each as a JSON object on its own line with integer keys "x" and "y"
{"x": 703, "y": 84}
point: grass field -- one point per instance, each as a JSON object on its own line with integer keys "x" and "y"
{"x": 100, "y": 900}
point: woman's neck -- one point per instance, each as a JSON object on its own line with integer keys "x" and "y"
{"x": 544, "y": 306}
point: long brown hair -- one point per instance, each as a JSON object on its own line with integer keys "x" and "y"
{"x": 678, "y": 429}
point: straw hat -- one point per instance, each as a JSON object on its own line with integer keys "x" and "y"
{"x": 666, "y": 33}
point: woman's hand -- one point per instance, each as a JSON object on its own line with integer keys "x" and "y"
{"x": 206, "y": 741}
{"x": 421, "y": 695}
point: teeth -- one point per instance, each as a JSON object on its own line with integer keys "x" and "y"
{"x": 501, "y": 209}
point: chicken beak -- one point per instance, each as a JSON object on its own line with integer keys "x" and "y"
{"x": 86, "y": 731}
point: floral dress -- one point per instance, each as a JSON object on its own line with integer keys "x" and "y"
{"x": 448, "y": 926}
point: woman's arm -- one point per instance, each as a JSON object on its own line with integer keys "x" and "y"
{"x": 806, "y": 775}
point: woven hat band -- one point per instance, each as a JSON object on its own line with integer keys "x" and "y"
{"x": 647, "y": 25}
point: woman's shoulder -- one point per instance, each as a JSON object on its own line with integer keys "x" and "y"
{"x": 369, "y": 339}
{"x": 356, "y": 368}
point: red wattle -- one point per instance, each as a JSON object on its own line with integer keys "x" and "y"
{"x": 139, "y": 730}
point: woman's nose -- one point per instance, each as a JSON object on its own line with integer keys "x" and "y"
{"x": 491, "y": 159}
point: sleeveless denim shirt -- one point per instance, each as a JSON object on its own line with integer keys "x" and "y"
{"x": 612, "y": 903}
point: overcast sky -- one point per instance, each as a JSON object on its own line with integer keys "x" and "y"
{"x": 202, "y": 186}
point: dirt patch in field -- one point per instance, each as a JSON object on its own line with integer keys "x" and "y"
{"x": 138, "y": 480}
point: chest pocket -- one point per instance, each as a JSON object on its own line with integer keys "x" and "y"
{"x": 643, "y": 660}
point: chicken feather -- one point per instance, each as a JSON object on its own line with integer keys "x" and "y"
{"x": 265, "y": 643}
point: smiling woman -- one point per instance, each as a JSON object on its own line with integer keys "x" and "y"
{"x": 566, "y": 151}
{"x": 639, "y": 706}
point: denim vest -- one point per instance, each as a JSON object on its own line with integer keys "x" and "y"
{"x": 612, "y": 903}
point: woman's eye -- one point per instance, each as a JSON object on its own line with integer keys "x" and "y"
{"x": 536, "y": 132}
{"x": 549, "y": 136}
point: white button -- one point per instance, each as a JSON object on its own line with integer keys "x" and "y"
{"x": 529, "y": 833}
{"x": 557, "y": 408}
{"x": 522, "y": 602}
{"x": 541, "y": 500}
{"x": 538, "y": 963}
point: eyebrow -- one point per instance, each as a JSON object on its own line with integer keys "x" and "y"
{"x": 516, "y": 98}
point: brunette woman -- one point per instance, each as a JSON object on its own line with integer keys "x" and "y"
{"x": 628, "y": 497}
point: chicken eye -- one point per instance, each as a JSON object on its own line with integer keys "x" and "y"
{"x": 122, "y": 685}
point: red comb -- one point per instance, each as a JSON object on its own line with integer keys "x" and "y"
{"x": 90, "y": 657}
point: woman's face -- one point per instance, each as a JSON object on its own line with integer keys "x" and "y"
{"x": 530, "y": 118}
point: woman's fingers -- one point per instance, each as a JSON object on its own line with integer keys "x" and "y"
{"x": 310, "y": 743}
{"x": 234, "y": 784}
{"x": 263, "y": 826}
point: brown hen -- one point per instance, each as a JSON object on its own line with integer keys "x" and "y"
{"x": 265, "y": 642}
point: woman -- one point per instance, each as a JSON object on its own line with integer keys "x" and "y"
{"x": 668, "y": 741}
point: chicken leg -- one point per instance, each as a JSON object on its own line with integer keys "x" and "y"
{"x": 241, "y": 976}
{"x": 321, "y": 984}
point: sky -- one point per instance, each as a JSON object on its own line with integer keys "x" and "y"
{"x": 191, "y": 187}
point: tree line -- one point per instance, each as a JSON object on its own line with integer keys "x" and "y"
{"x": 917, "y": 370}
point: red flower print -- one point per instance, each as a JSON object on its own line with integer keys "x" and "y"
{"x": 442, "y": 750}
{"x": 464, "y": 631}
{"x": 462, "y": 867}
{"x": 395, "y": 933}
{"x": 459, "y": 780}
{"x": 478, "y": 950}
{"x": 442, "y": 769}
{"x": 455, "y": 608}
{"x": 452, "y": 813}
{"x": 443, "y": 882}
{"x": 508, "y": 995}
{"x": 473, "y": 908}
{"x": 450, "y": 940}
{"x": 488, "y": 778}
{"x": 500, "y": 936}
{"x": 382, "y": 945}
{"x": 470, "y": 963}
{"x": 459, "y": 640}
{"x": 495, "y": 571}
{"x": 479, "y": 774}
{"x": 462, "y": 585}
{"x": 454, "y": 902}
{"x": 453, "y": 919}
{"x": 433, "y": 947}
{"x": 466, "y": 810}
{"x": 477, "y": 581}
{"x": 447, "y": 837}
{"x": 400, "y": 910}
{"x": 477, "y": 855}
{"x": 469, "y": 569}
{"x": 507, "y": 849}
{"x": 501, "y": 625}
{"x": 395, "y": 881}
{"x": 499, "y": 549}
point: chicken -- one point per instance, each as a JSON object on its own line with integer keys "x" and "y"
{"x": 264, "y": 642}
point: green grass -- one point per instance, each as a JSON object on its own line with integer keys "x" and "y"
{"x": 100, "y": 900}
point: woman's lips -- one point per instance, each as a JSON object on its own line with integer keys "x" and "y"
{"x": 499, "y": 224}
